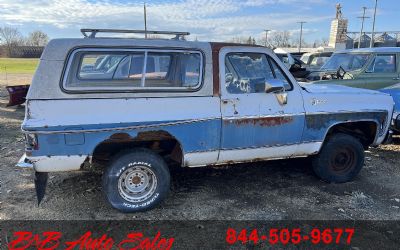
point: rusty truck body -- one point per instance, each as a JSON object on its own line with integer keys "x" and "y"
{"x": 138, "y": 105}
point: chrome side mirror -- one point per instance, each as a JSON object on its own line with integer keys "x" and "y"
{"x": 274, "y": 86}
{"x": 228, "y": 78}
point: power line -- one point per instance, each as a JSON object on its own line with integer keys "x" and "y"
{"x": 373, "y": 26}
{"x": 266, "y": 37}
{"x": 301, "y": 33}
{"x": 363, "y": 17}
{"x": 145, "y": 20}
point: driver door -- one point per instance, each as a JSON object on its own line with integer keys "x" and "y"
{"x": 255, "y": 125}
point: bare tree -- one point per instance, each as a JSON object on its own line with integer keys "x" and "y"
{"x": 37, "y": 38}
{"x": 280, "y": 38}
{"x": 325, "y": 41}
{"x": 296, "y": 43}
{"x": 11, "y": 38}
{"x": 238, "y": 39}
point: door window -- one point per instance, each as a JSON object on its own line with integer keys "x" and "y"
{"x": 383, "y": 64}
{"x": 248, "y": 72}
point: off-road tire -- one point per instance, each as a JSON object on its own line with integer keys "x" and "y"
{"x": 126, "y": 177}
{"x": 340, "y": 159}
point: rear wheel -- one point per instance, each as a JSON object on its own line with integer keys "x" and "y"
{"x": 136, "y": 180}
{"x": 340, "y": 159}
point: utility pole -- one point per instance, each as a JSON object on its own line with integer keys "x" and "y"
{"x": 266, "y": 37}
{"x": 145, "y": 20}
{"x": 363, "y": 17}
{"x": 301, "y": 33}
{"x": 373, "y": 26}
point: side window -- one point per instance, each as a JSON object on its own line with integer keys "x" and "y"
{"x": 248, "y": 72}
{"x": 100, "y": 66}
{"x": 383, "y": 64}
{"x": 124, "y": 69}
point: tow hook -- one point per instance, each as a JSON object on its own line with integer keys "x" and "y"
{"x": 40, "y": 185}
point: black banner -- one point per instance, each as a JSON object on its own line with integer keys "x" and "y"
{"x": 133, "y": 234}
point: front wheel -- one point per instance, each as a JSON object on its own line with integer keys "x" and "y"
{"x": 340, "y": 159}
{"x": 136, "y": 180}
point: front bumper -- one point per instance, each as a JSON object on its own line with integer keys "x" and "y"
{"x": 57, "y": 163}
{"x": 24, "y": 162}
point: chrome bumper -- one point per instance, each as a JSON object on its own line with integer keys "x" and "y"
{"x": 24, "y": 162}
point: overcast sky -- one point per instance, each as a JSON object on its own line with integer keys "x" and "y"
{"x": 217, "y": 20}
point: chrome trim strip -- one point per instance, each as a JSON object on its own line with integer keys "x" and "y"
{"x": 24, "y": 130}
{"x": 265, "y": 146}
{"x": 346, "y": 111}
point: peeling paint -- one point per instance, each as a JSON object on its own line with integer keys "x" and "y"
{"x": 262, "y": 121}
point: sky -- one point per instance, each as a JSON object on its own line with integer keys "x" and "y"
{"x": 206, "y": 20}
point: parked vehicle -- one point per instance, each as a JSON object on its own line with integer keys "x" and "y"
{"x": 369, "y": 68}
{"x": 314, "y": 61}
{"x": 159, "y": 102}
{"x": 394, "y": 91}
{"x": 294, "y": 65}
{"x": 297, "y": 55}
{"x": 285, "y": 57}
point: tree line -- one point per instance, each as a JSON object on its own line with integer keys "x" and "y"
{"x": 276, "y": 39}
{"x": 11, "y": 39}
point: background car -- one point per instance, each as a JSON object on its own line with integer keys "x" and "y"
{"x": 370, "y": 68}
{"x": 314, "y": 61}
{"x": 394, "y": 91}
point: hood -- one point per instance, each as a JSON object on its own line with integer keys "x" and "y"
{"x": 332, "y": 88}
{"x": 395, "y": 93}
{"x": 394, "y": 87}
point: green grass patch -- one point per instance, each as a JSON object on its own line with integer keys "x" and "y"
{"x": 18, "y": 65}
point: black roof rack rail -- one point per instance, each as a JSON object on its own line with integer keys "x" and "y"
{"x": 178, "y": 35}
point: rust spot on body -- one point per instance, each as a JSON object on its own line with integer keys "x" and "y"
{"x": 121, "y": 137}
{"x": 263, "y": 122}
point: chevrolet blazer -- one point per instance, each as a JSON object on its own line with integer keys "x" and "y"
{"x": 139, "y": 105}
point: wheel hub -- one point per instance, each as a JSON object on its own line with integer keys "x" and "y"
{"x": 343, "y": 159}
{"x": 137, "y": 183}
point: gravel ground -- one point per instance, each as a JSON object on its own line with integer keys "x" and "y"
{"x": 268, "y": 190}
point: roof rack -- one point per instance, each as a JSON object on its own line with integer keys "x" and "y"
{"x": 93, "y": 32}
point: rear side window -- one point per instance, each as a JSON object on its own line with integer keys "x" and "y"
{"x": 383, "y": 64}
{"x": 133, "y": 70}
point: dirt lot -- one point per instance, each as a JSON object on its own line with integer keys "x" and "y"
{"x": 269, "y": 190}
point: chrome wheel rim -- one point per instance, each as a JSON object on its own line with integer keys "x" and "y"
{"x": 137, "y": 183}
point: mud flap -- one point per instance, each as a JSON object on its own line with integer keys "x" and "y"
{"x": 40, "y": 185}
{"x": 17, "y": 94}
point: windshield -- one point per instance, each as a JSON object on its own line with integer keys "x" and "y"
{"x": 349, "y": 62}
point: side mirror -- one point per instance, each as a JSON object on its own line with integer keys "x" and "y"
{"x": 228, "y": 78}
{"x": 274, "y": 86}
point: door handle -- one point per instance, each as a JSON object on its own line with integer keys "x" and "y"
{"x": 233, "y": 101}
